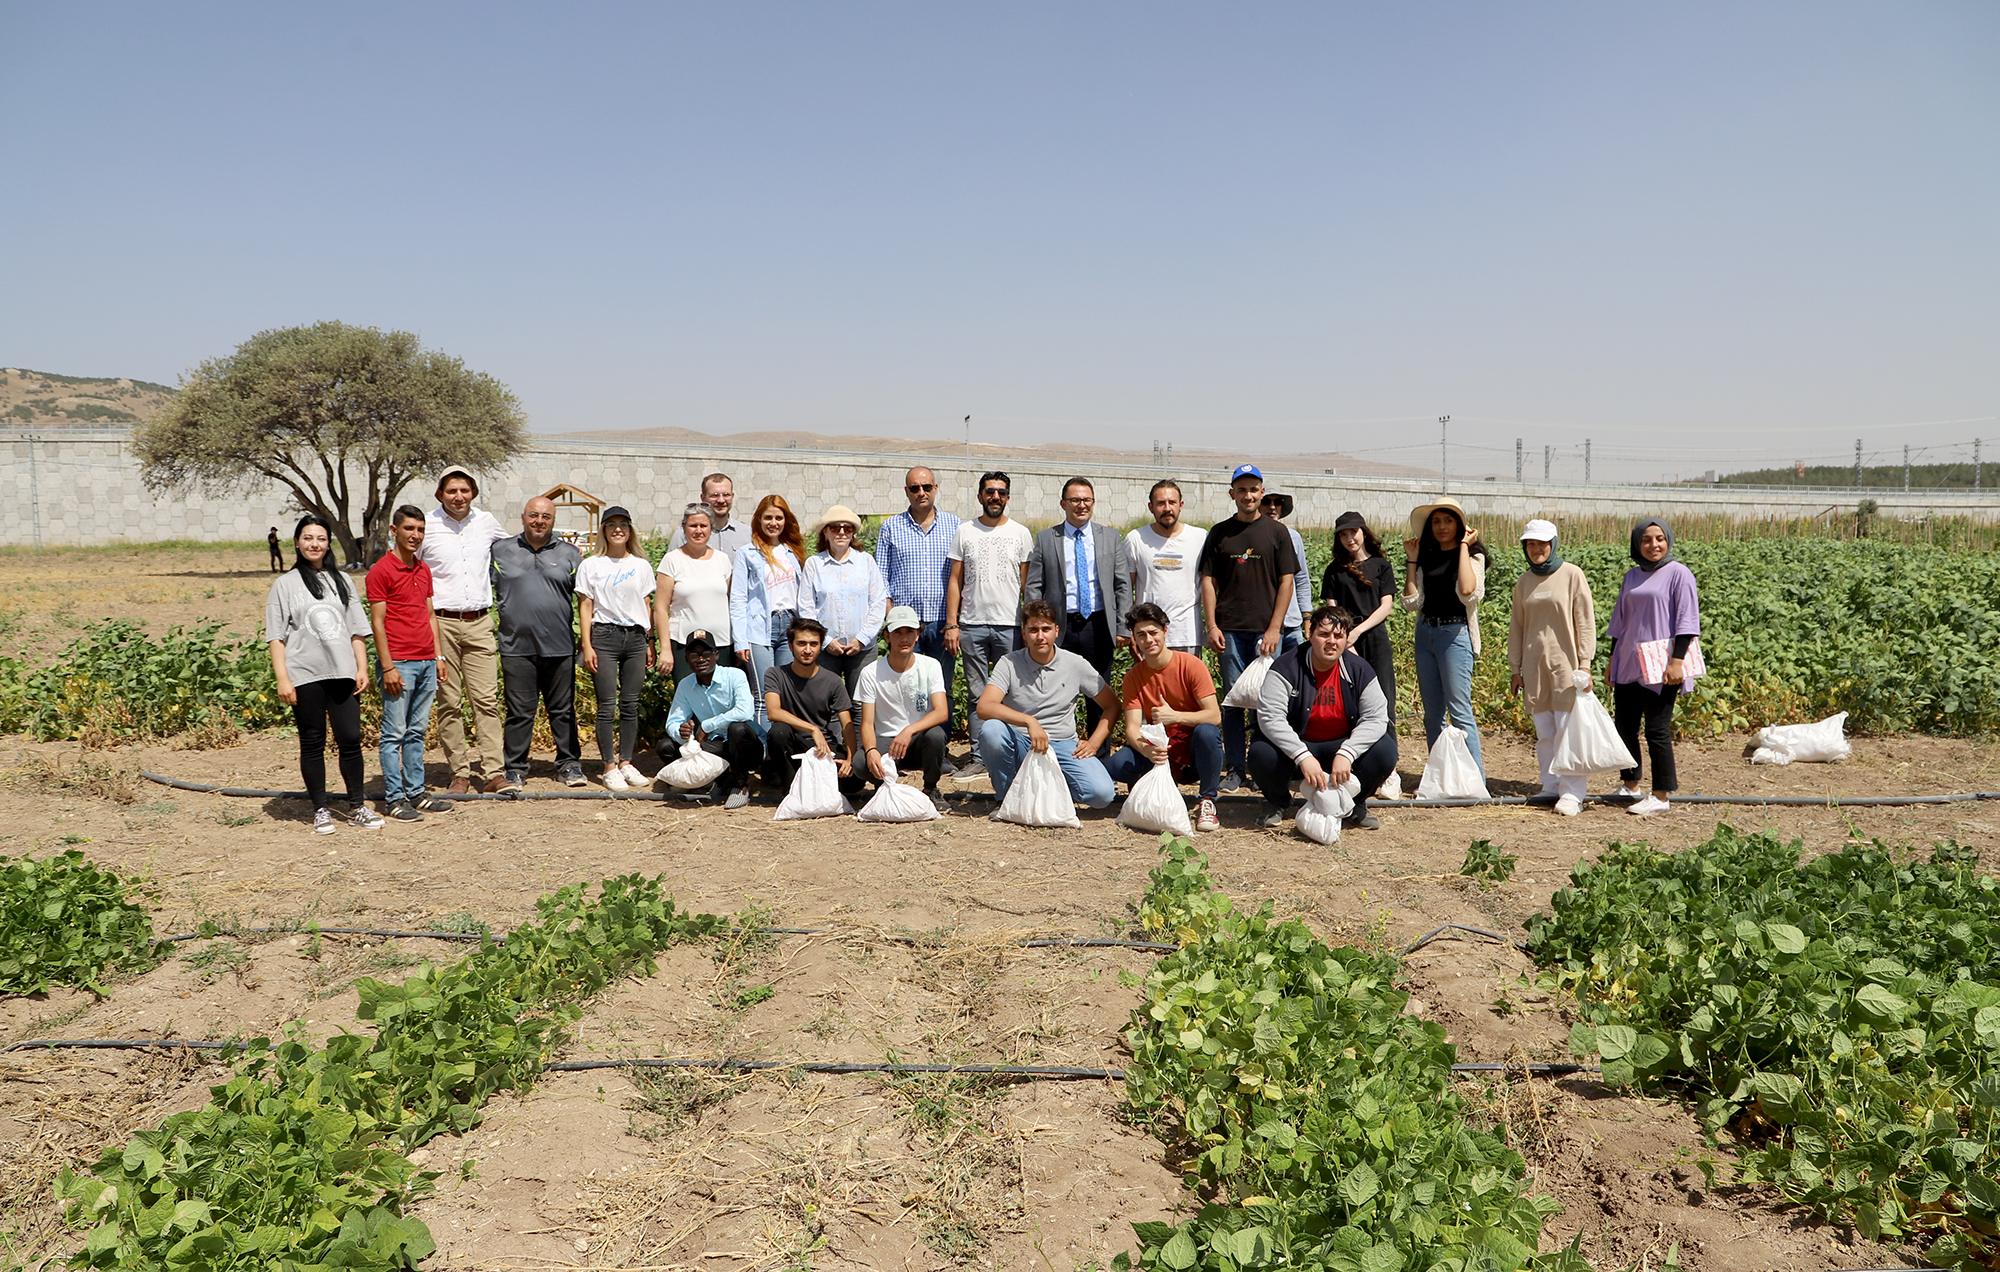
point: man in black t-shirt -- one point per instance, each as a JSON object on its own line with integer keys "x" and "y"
{"x": 1247, "y": 568}
{"x": 809, "y": 709}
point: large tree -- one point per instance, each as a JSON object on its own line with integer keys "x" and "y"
{"x": 344, "y": 417}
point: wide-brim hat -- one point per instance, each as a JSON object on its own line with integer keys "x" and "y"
{"x": 837, "y": 513}
{"x": 1420, "y": 518}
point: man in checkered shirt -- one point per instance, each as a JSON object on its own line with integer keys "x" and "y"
{"x": 911, "y": 550}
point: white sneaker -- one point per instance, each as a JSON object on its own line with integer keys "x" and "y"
{"x": 323, "y": 823}
{"x": 1648, "y": 806}
{"x": 366, "y": 818}
{"x": 615, "y": 780}
{"x": 1569, "y": 805}
{"x": 1629, "y": 792}
{"x": 633, "y": 777}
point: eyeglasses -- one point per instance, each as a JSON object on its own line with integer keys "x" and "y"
{"x": 1081, "y": 499}
{"x": 924, "y": 489}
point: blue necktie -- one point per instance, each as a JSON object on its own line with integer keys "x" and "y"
{"x": 1083, "y": 580}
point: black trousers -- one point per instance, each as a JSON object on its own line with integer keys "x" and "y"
{"x": 739, "y": 745}
{"x": 532, "y": 680}
{"x": 1633, "y": 705}
{"x": 783, "y": 742}
{"x": 1374, "y": 646}
{"x": 926, "y": 752}
{"x": 1274, "y": 772}
{"x": 321, "y": 702}
{"x": 1090, "y": 638}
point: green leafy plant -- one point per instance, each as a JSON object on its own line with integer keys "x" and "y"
{"x": 1317, "y": 1119}
{"x": 298, "y": 1158}
{"x": 116, "y": 681}
{"x": 1840, "y": 1014}
{"x": 64, "y": 921}
{"x": 1484, "y": 861}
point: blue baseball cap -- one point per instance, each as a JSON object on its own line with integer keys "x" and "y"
{"x": 1246, "y": 470}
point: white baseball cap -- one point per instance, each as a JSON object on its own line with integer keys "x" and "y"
{"x": 1544, "y": 531}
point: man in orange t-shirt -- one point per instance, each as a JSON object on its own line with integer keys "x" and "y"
{"x": 1175, "y": 689}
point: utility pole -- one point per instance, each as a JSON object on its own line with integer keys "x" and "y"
{"x": 1857, "y": 463}
{"x": 1586, "y": 461}
{"x": 1975, "y": 466}
{"x": 1548, "y": 461}
{"x": 35, "y": 492}
{"x": 1906, "y": 465}
{"x": 1444, "y": 455}
{"x": 1517, "y": 461}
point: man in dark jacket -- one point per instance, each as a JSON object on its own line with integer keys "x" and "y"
{"x": 1322, "y": 718}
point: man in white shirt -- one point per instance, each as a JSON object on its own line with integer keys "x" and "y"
{"x": 1163, "y": 558}
{"x": 982, "y": 603}
{"x": 905, "y": 703}
{"x": 458, "y": 548}
{"x": 724, "y": 535}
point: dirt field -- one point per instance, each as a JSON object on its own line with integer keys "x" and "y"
{"x": 602, "y": 1170}
{"x": 595, "y": 1170}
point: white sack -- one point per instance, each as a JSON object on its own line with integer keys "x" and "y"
{"x": 1449, "y": 773}
{"x": 1391, "y": 787}
{"x": 696, "y": 767}
{"x": 1803, "y": 743}
{"x": 815, "y": 791}
{"x": 1589, "y": 741}
{"x": 1039, "y": 795}
{"x": 1324, "y": 810}
{"x": 1249, "y": 685}
{"x": 1154, "y": 803}
{"x": 895, "y": 802}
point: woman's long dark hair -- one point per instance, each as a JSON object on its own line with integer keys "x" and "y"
{"x": 308, "y": 574}
{"x": 1369, "y": 543}
{"x": 1428, "y": 551}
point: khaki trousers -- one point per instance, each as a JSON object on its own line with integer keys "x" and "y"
{"x": 472, "y": 652}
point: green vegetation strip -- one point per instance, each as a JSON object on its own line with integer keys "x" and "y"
{"x": 1316, "y": 1119}
{"x": 298, "y": 1160}
{"x": 1840, "y": 1014}
{"x": 64, "y": 921}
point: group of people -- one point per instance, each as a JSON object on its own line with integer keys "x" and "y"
{"x": 775, "y": 651}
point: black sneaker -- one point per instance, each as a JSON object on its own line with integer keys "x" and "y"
{"x": 1274, "y": 816}
{"x": 432, "y": 804}
{"x": 936, "y": 798}
{"x": 1360, "y": 819}
{"x": 404, "y": 810}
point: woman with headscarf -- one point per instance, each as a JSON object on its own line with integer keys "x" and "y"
{"x": 1361, "y": 581}
{"x": 1551, "y": 638}
{"x": 1444, "y": 583}
{"x": 1654, "y": 657}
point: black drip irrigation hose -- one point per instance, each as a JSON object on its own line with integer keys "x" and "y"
{"x": 751, "y": 1066}
{"x": 1442, "y": 929}
{"x": 1081, "y": 942}
{"x": 1753, "y": 801}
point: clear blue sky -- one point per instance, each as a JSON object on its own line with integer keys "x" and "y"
{"x": 1703, "y": 235}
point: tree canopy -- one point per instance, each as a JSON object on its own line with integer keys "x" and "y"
{"x": 344, "y": 417}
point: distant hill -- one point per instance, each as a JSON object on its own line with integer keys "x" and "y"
{"x": 1185, "y": 458}
{"x": 43, "y": 397}
{"x": 1873, "y": 477}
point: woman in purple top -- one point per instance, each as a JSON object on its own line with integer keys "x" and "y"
{"x": 1653, "y": 630}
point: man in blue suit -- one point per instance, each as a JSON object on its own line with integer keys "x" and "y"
{"x": 1079, "y": 567}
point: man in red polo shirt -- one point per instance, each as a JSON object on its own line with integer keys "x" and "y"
{"x": 406, "y": 645}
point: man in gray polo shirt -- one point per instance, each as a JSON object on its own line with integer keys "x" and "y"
{"x": 534, "y": 577}
{"x": 1029, "y": 704}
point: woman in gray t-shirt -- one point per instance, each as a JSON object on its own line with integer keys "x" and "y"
{"x": 318, "y": 633}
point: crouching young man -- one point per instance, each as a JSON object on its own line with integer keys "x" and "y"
{"x": 713, "y": 711}
{"x": 904, "y": 706}
{"x": 1029, "y": 703}
{"x": 1323, "y": 718}
{"x": 1175, "y": 689}
{"x": 809, "y": 709}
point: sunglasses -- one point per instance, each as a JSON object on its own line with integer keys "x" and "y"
{"x": 840, "y": 529}
{"x": 924, "y": 489}
{"x": 994, "y": 492}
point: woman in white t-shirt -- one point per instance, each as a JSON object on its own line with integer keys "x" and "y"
{"x": 764, "y": 592}
{"x": 617, "y": 626}
{"x": 319, "y": 655}
{"x": 693, "y": 594}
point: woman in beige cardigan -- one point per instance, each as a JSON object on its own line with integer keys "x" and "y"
{"x": 1551, "y": 639}
{"x": 1445, "y": 582}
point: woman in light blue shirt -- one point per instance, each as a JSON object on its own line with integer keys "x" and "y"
{"x": 844, "y": 590}
{"x": 764, "y": 594}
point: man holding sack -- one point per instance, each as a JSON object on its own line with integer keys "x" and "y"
{"x": 809, "y": 709}
{"x": 1174, "y": 689}
{"x": 712, "y": 711}
{"x": 1322, "y": 718}
{"x": 1030, "y": 704}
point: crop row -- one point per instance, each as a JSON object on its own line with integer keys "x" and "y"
{"x": 299, "y": 1159}
{"x": 1840, "y": 1014}
{"x": 1316, "y": 1117}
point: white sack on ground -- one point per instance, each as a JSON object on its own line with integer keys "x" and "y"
{"x": 1039, "y": 795}
{"x": 1449, "y": 773}
{"x": 815, "y": 791}
{"x": 895, "y": 802}
{"x": 1154, "y": 802}
{"x": 1818, "y": 743}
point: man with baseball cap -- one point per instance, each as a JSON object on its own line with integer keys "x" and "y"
{"x": 905, "y": 702}
{"x": 458, "y": 548}
{"x": 1248, "y": 569}
{"x": 713, "y": 710}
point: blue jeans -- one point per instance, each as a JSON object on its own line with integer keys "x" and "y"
{"x": 1128, "y": 766}
{"x": 1444, "y": 678}
{"x": 983, "y": 645}
{"x": 1005, "y": 747}
{"x": 778, "y": 653}
{"x": 405, "y": 717}
{"x": 1239, "y": 650}
{"x": 930, "y": 643}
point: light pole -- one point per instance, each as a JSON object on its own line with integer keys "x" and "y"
{"x": 1444, "y": 455}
